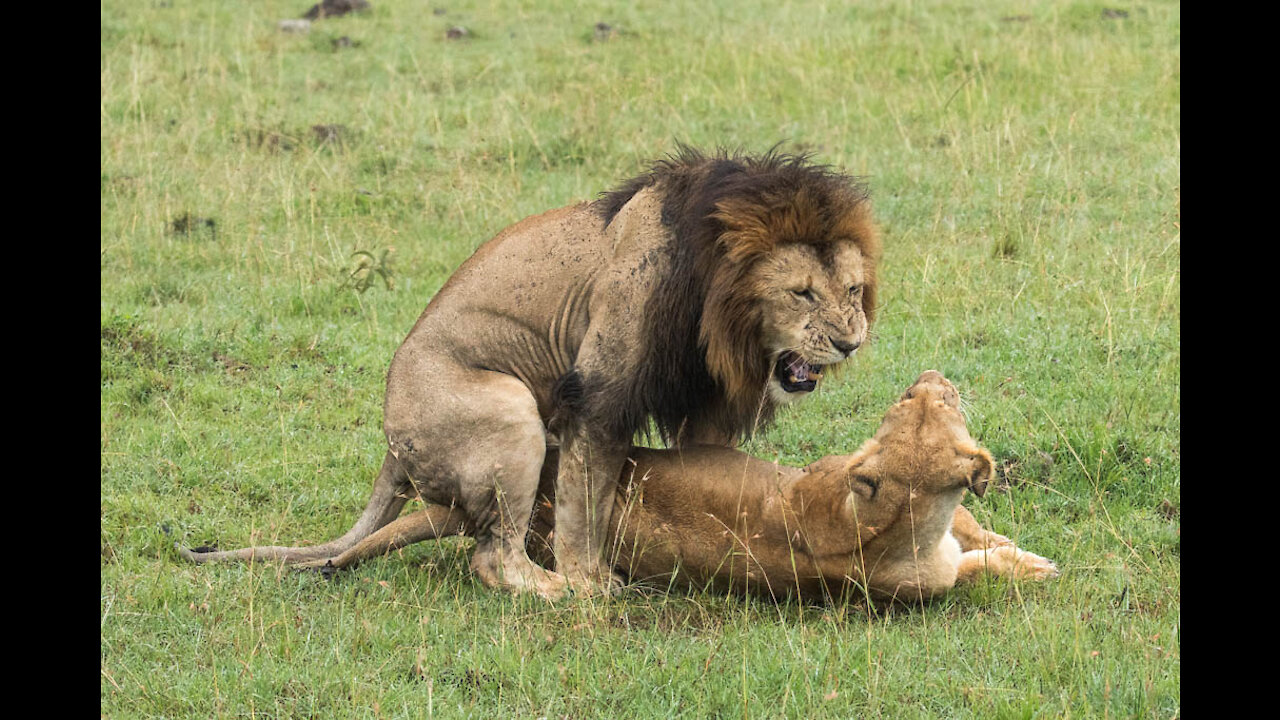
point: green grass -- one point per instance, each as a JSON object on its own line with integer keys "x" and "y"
{"x": 1025, "y": 164}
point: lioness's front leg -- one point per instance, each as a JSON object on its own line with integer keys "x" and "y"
{"x": 971, "y": 535}
{"x": 989, "y": 552}
{"x": 1006, "y": 560}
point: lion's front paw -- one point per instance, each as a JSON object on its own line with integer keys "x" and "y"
{"x": 594, "y": 584}
{"x": 514, "y": 572}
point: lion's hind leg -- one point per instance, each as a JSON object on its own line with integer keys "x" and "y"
{"x": 474, "y": 438}
{"x": 390, "y": 492}
{"x": 429, "y": 523}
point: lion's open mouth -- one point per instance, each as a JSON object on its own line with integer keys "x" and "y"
{"x": 795, "y": 374}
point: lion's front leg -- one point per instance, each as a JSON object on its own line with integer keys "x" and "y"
{"x": 586, "y": 485}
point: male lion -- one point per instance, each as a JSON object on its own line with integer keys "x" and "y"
{"x": 886, "y": 519}
{"x": 698, "y": 297}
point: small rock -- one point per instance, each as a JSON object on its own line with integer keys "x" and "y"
{"x": 295, "y": 26}
{"x": 457, "y": 32}
{"x": 604, "y": 31}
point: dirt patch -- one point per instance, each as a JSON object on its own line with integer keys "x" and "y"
{"x": 335, "y": 8}
{"x": 187, "y": 224}
{"x": 231, "y": 365}
{"x": 330, "y": 134}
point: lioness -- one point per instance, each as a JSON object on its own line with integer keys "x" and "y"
{"x": 887, "y": 518}
{"x": 697, "y": 296}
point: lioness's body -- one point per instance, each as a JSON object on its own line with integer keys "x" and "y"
{"x": 713, "y": 517}
{"x": 696, "y": 297}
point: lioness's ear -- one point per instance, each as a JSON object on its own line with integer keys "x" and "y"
{"x": 863, "y": 469}
{"x": 981, "y": 470}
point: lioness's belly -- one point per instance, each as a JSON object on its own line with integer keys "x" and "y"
{"x": 695, "y": 519}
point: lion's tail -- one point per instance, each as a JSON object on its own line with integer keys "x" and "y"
{"x": 391, "y": 491}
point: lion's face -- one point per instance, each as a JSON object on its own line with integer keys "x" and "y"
{"x": 811, "y": 312}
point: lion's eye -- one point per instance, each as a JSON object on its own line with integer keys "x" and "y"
{"x": 805, "y": 294}
{"x": 855, "y": 290}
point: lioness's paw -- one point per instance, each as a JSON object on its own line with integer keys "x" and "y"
{"x": 995, "y": 540}
{"x": 1029, "y": 566}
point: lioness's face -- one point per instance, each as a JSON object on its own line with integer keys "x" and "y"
{"x": 812, "y": 313}
{"x": 925, "y": 438}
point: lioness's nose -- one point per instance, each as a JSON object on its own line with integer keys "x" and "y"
{"x": 930, "y": 377}
{"x": 932, "y": 384}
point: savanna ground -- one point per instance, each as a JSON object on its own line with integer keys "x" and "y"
{"x": 259, "y": 188}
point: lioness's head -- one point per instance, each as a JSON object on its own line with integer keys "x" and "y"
{"x": 922, "y": 449}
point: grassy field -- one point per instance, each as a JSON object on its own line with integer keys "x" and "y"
{"x": 260, "y": 187}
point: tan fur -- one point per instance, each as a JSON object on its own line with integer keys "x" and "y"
{"x": 886, "y": 520}
{"x": 670, "y": 302}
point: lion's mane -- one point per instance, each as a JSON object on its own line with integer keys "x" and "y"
{"x": 725, "y": 212}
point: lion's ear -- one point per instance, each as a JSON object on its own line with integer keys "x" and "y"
{"x": 980, "y": 471}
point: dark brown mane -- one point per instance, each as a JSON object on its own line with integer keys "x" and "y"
{"x": 725, "y": 212}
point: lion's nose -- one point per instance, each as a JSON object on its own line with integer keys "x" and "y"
{"x": 845, "y": 347}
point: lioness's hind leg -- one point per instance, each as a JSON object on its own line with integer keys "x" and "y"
{"x": 429, "y": 523}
